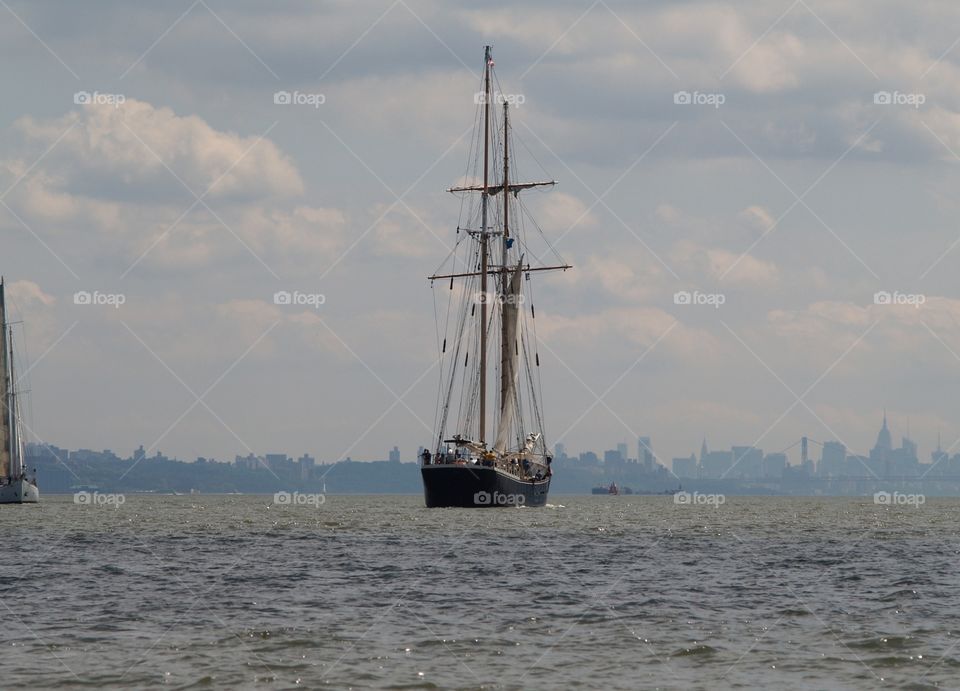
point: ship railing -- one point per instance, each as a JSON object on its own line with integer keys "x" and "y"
{"x": 511, "y": 466}
{"x": 441, "y": 459}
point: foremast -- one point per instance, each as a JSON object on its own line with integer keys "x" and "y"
{"x": 504, "y": 374}
{"x": 6, "y": 386}
{"x": 484, "y": 267}
{"x": 11, "y": 441}
{"x": 16, "y": 440}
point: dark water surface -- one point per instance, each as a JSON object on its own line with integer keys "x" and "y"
{"x": 590, "y": 592}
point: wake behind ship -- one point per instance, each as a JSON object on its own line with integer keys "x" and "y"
{"x": 489, "y": 307}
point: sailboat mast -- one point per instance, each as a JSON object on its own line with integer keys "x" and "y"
{"x": 16, "y": 459}
{"x": 503, "y": 253}
{"x": 487, "y": 59}
{"x": 506, "y": 180}
{"x": 6, "y": 438}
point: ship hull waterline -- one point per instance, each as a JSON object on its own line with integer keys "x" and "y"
{"x": 473, "y": 486}
{"x": 19, "y": 492}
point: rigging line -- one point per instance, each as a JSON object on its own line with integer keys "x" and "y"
{"x": 522, "y": 237}
{"x": 25, "y": 359}
{"x": 527, "y": 215}
{"x": 496, "y": 79}
{"x": 452, "y": 253}
{"x": 442, "y": 377}
{"x": 18, "y": 342}
{"x": 470, "y": 377}
{"x": 539, "y": 379}
{"x": 514, "y": 137}
{"x": 533, "y": 156}
{"x": 520, "y": 407}
{"x": 454, "y": 372}
{"x": 440, "y": 359}
{"x": 472, "y": 155}
{"x": 442, "y": 402}
{"x": 535, "y": 418}
{"x": 454, "y": 359}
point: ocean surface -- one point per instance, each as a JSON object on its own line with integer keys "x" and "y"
{"x": 378, "y": 592}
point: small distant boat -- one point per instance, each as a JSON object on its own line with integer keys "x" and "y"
{"x": 612, "y": 489}
{"x": 15, "y": 486}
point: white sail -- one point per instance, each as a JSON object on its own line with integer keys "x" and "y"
{"x": 510, "y": 316}
{"x": 7, "y": 416}
{"x": 16, "y": 435}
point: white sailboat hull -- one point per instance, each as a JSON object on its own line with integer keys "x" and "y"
{"x": 19, "y": 492}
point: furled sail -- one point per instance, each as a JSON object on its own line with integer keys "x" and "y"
{"x": 510, "y": 316}
{"x": 6, "y": 416}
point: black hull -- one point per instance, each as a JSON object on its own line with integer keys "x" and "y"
{"x": 477, "y": 487}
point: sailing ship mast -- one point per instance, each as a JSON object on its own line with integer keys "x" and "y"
{"x": 11, "y": 438}
{"x": 11, "y": 453}
{"x": 15, "y": 486}
{"x": 503, "y": 254}
{"x": 485, "y": 196}
{"x": 16, "y": 448}
{"x": 6, "y": 427}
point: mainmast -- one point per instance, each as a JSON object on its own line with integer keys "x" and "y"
{"x": 504, "y": 375}
{"x": 16, "y": 458}
{"x": 487, "y": 60}
{"x": 6, "y": 437}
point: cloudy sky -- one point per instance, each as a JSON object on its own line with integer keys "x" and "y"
{"x": 815, "y": 165}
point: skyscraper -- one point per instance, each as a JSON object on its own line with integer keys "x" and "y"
{"x": 833, "y": 459}
{"x": 884, "y": 441}
{"x": 881, "y": 451}
{"x": 645, "y": 453}
{"x": 685, "y": 467}
{"x": 747, "y": 462}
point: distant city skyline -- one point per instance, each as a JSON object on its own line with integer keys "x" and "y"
{"x": 833, "y": 453}
{"x": 739, "y": 469}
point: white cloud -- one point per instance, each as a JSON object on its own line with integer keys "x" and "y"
{"x": 133, "y": 145}
{"x": 558, "y": 212}
{"x": 757, "y": 219}
{"x": 403, "y": 232}
{"x": 741, "y": 270}
{"x": 29, "y": 294}
{"x": 98, "y": 180}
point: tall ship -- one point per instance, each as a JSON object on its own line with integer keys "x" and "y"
{"x": 487, "y": 452}
{"x": 15, "y": 486}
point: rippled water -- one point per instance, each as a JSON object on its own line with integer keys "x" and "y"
{"x": 611, "y": 592}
